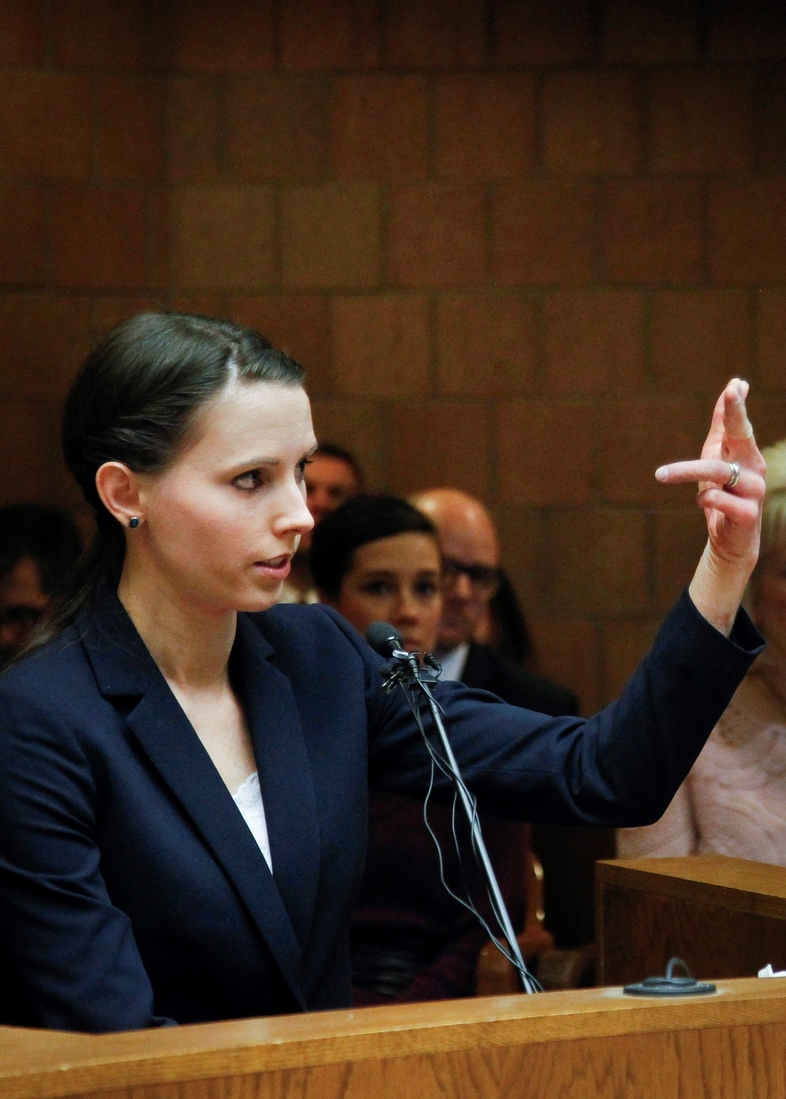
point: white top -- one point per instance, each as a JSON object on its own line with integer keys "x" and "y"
{"x": 453, "y": 662}
{"x": 248, "y": 799}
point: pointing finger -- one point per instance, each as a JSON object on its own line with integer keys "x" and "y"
{"x": 711, "y": 471}
{"x": 735, "y": 415}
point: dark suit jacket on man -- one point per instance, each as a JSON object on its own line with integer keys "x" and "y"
{"x": 133, "y": 894}
{"x": 488, "y": 671}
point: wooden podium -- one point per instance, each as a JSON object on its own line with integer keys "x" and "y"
{"x": 724, "y": 917}
{"x": 581, "y": 1045}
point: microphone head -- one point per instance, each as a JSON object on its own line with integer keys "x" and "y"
{"x": 384, "y": 638}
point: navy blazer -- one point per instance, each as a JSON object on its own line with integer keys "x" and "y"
{"x": 132, "y": 893}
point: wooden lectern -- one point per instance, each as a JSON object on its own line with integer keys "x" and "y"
{"x": 724, "y": 917}
{"x": 581, "y": 1045}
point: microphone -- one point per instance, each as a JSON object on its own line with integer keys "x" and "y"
{"x": 384, "y": 638}
{"x": 404, "y": 670}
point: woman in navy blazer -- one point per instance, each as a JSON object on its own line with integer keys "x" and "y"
{"x": 132, "y": 891}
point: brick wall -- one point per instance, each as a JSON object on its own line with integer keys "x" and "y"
{"x": 519, "y": 245}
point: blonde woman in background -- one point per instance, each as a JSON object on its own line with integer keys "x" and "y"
{"x": 733, "y": 802}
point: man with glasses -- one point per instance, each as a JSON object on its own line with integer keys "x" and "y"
{"x": 471, "y": 577}
{"x": 471, "y": 562}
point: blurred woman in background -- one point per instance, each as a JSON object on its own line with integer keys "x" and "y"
{"x": 733, "y": 802}
{"x": 377, "y": 558}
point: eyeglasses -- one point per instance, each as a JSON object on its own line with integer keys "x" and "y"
{"x": 484, "y": 579}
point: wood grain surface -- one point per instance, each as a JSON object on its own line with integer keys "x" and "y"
{"x": 593, "y": 1042}
{"x": 724, "y": 917}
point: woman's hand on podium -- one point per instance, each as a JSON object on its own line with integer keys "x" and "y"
{"x": 730, "y": 476}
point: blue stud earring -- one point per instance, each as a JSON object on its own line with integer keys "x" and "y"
{"x": 133, "y": 522}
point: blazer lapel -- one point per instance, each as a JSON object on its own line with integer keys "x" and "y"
{"x": 285, "y": 775}
{"x": 124, "y": 667}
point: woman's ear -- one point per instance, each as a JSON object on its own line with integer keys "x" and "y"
{"x": 118, "y": 487}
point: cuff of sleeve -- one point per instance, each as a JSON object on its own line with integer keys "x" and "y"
{"x": 744, "y": 639}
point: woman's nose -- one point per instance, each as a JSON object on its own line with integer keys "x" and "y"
{"x": 408, "y": 609}
{"x": 294, "y": 515}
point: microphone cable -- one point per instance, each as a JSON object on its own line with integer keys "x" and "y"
{"x": 403, "y": 670}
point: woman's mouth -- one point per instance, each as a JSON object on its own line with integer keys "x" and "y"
{"x": 277, "y": 568}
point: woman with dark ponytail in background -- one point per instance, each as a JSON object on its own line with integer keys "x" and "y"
{"x": 183, "y": 779}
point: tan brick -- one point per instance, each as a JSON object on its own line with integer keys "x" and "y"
{"x": 44, "y": 339}
{"x": 23, "y": 234}
{"x": 107, "y": 312}
{"x": 130, "y": 128}
{"x": 700, "y": 339}
{"x": 652, "y": 231}
{"x": 771, "y": 339}
{"x": 22, "y": 39}
{"x": 223, "y": 236}
{"x": 437, "y": 235}
{"x": 277, "y": 127}
{"x": 193, "y": 130}
{"x": 97, "y": 34}
{"x": 543, "y": 32}
{"x": 45, "y": 124}
{"x": 599, "y": 562}
{"x": 298, "y": 323}
{"x": 744, "y": 31}
{"x": 485, "y": 125}
{"x": 379, "y": 126}
{"x": 748, "y": 230}
{"x": 159, "y": 238}
{"x": 545, "y": 453}
{"x": 212, "y": 36}
{"x": 358, "y": 427}
{"x": 428, "y": 447}
{"x": 593, "y": 342}
{"x": 522, "y": 536}
{"x": 680, "y": 537}
{"x": 642, "y": 31}
{"x": 625, "y": 644}
{"x": 637, "y": 436}
{"x": 486, "y": 345}
{"x": 543, "y": 232}
{"x": 381, "y": 346}
{"x": 701, "y": 121}
{"x": 99, "y": 238}
{"x": 28, "y": 451}
{"x": 331, "y": 235}
{"x": 204, "y": 304}
{"x": 768, "y": 416}
{"x": 328, "y": 34}
{"x": 592, "y": 123}
{"x": 568, "y": 653}
{"x": 770, "y": 121}
{"x": 437, "y": 33}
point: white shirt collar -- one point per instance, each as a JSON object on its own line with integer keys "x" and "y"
{"x": 454, "y": 661}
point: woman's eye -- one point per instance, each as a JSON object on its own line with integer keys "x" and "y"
{"x": 248, "y": 481}
{"x": 377, "y": 587}
{"x": 427, "y": 589}
{"x": 300, "y": 469}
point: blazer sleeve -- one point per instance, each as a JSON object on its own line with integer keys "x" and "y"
{"x": 619, "y": 768}
{"x": 81, "y": 966}
{"x": 673, "y": 835}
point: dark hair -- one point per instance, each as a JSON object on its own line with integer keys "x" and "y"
{"x": 134, "y": 401}
{"x": 47, "y": 535}
{"x": 330, "y": 450}
{"x": 509, "y": 626}
{"x": 358, "y": 521}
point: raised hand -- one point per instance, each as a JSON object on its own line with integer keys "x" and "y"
{"x": 730, "y": 476}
